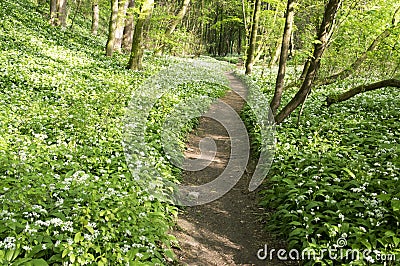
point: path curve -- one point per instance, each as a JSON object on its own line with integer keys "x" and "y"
{"x": 227, "y": 231}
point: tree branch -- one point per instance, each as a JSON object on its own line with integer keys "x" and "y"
{"x": 360, "y": 89}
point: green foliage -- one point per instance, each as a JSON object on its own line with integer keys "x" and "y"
{"x": 337, "y": 175}
{"x": 67, "y": 195}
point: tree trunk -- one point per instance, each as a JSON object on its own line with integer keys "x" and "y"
{"x": 253, "y": 37}
{"x": 275, "y": 55}
{"x": 244, "y": 19}
{"x": 135, "y": 60}
{"x": 324, "y": 33}
{"x": 62, "y": 13}
{"x": 95, "y": 17}
{"x": 77, "y": 9}
{"x": 179, "y": 16}
{"x": 58, "y": 13}
{"x": 363, "y": 88}
{"x": 356, "y": 64}
{"x": 119, "y": 32}
{"x": 53, "y": 12}
{"x": 112, "y": 27}
{"x": 221, "y": 34}
{"x": 128, "y": 29}
{"x": 280, "y": 79}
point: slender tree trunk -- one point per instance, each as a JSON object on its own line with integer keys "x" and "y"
{"x": 95, "y": 17}
{"x": 239, "y": 45}
{"x": 260, "y": 51}
{"x": 181, "y": 14}
{"x": 276, "y": 54}
{"x": 119, "y": 32}
{"x": 280, "y": 79}
{"x": 221, "y": 34}
{"x": 78, "y": 7}
{"x": 53, "y": 12}
{"x": 135, "y": 60}
{"x": 128, "y": 29}
{"x": 253, "y": 37}
{"x": 363, "y": 88}
{"x": 244, "y": 19}
{"x": 112, "y": 27}
{"x": 305, "y": 69}
{"x": 323, "y": 36}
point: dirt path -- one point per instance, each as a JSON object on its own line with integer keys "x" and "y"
{"x": 227, "y": 231}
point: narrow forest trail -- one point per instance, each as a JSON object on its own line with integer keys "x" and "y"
{"x": 227, "y": 231}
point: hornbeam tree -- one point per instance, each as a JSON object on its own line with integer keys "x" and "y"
{"x": 95, "y": 16}
{"x": 253, "y": 37}
{"x": 280, "y": 79}
{"x": 116, "y": 25}
{"x": 58, "y": 13}
{"x": 128, "y": 29}
{"x": 135, "y": 60}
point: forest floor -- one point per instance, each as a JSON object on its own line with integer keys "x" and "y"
{"x": 227, "y": 231}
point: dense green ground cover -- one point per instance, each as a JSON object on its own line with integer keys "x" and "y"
{"x": 337, "y": 174}
{"x": 66, "y": 193}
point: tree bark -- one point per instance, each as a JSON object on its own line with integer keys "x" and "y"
{"x": 58, "y": 13}
{"x": 77, "y": 9}
{"x": 112, "y": 27}
{"x": 53, "y": 12}
{"x": 62, "y": 13}
{"x": 253, "y": 37}
{"x": 363, "y": 88}
{"x": 276, "y": 54}
{"x": 128, "y": 29}
{"x": 323, "y": 36}
{"x": 95, "y": 17}
{"x": 119, "y": 32}
{"x": 287, "y": 33}
{"x": 135, "y": 60}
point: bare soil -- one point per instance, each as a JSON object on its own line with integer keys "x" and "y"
{"x": 227, "y": 231}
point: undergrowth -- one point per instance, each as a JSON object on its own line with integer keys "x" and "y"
{"x": 334, "y": 183}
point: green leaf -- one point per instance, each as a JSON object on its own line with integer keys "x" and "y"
{"x": 296, "y": 223}
{"x": 65, "y": 253}
{"x": 366, "y": 244}
{"x": 396, "y": 205}
{"x": 78, "y": 237}
{"x": 170, "y": 254}
{"x": 396, "y": 241}
{"x": 297, "y": 231}
{"x": 38, "y": 262}
{"x": 389, "y": 233}
{"x": 72, "y": 258}
{"x": 384, "y": 197}
{"x": 349, "y": 172}
{"x": 90, "y": 229}
{"x": 21, "y": 261}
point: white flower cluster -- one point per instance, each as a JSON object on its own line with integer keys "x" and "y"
{"x": 8, "y": 243}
